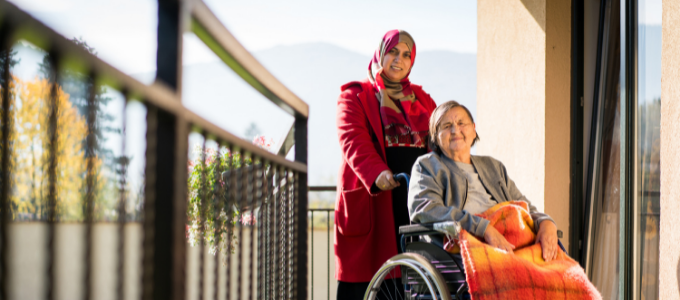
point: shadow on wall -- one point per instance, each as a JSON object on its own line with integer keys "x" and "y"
{"x": 677, "y": 275}
{"x": 537, "y": 10}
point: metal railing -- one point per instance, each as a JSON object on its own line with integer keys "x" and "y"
{"x": 244, "y": 179}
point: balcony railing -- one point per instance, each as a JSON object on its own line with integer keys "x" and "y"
{"x": 149, "y": 253}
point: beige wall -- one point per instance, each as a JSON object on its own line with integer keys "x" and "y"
{"x": 557, "y": 113}
{"x": 523, "y": 95}
{"x": 669, "y": 252}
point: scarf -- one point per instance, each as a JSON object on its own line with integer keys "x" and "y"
{"x": 404, "y": 119}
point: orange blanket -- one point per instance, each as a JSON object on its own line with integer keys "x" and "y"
{"x": 495, "y": 274}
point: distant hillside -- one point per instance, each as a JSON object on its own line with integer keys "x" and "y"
{"x": 315, "y": 73}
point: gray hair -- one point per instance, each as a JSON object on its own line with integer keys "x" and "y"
{"x": 436, "y": 119}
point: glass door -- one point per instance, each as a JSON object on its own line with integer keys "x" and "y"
{"x": 603, "y": 187}
{"x": 648, "y": 161}
{"x": 623, "y": 179}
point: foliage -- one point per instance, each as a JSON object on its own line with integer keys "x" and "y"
{"x": 252, "y": 131}
{"x": 205, "y": 182}
{"x": 30, "y": 144}
{"x": 78, "y": 86}
{"x": 30, "y": 103}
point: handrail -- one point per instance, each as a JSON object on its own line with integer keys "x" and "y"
{"x": 211, "y": 31}
{"x": 287, "y": 142}
{"x": 281, "y": 268}
{"x": 323, "y": 188}
{"x": 156, "y": 94}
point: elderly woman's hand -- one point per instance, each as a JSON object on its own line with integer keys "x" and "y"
{"x": 547, "y": 236}
{"x": 496, "y": 239}
{"x": 385, "y": 181}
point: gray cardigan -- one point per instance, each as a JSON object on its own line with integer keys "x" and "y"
{"x": 438, "y": 191}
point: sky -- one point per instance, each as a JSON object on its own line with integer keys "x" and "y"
{"x": 123, "y": 31}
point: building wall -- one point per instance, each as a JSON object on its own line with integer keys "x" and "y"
{"x": 523, "y": 94}
{"x": 669, "y": 252}
{"x": 557, "y": 113}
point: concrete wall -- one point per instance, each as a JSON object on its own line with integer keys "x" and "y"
{"x": 523, "y": 94}
{"x": 557, "y": 113}
{"x": 669, "y": 253}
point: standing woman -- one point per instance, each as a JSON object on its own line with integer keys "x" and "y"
{"x": 383, "y": 128}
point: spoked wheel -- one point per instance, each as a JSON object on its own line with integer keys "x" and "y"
{"x": 420, "y": 280}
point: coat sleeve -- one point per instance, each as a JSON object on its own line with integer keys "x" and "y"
{"x": 358, "y": 149}
{"x": 515, "y": 194}
{"x": 426, "y": 202}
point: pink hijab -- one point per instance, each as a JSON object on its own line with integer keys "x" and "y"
{"x": 404, "y": 119}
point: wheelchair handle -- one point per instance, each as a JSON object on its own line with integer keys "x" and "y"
{"x": 403, "y": 176}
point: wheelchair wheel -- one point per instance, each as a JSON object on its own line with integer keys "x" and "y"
{"x": 420, "y": 280}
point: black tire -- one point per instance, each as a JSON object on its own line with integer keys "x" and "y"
{"x": 416, "y": 269}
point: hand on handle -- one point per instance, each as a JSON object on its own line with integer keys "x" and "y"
{"x": 385, "y": 181}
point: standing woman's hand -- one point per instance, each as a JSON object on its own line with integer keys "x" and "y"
{"x": 385, "y": 181}
{"x": 547, "y": 237}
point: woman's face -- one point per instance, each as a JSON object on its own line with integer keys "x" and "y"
{"x": 397, "y": 62}
{"x": 456, "y": 132}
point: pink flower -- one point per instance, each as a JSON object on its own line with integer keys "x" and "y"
{"x": 262, "y": 142}
{"x": 248, "y": 219}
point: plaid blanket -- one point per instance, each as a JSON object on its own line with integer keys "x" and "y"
{"x": 495, "y": 274}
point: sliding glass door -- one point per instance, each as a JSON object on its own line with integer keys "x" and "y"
{"x": 648, "y": 145}
{"x": 622, "y": 187}
{"x": 604, "y": 175}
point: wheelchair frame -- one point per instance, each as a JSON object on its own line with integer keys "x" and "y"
{"x": 432, "y": 278}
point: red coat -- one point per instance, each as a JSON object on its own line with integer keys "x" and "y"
{"x": 364, "y": 226}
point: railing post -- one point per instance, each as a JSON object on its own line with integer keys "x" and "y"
{"x": 300, "y": 213}
{"x": 5, "y": 148}
{"x": 166, "y": 175}
{"x": 169, "y": 53}
{"x": 165, "y": 207}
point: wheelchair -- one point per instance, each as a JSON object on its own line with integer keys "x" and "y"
{"x": 428, "y": 272}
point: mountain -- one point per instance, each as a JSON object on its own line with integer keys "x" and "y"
{"x": 314, "y": 72}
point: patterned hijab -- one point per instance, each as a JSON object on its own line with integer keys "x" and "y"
{"x": 404, "y": 119}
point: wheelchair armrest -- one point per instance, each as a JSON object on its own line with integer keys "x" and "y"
{"x": 427, "y": 228}
{"x": 417, "y": 229}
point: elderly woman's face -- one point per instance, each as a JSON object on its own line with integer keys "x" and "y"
{"x": 397, "y": 62}
{"x": 456, "y": 132}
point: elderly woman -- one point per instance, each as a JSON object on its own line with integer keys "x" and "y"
{"x": 382, "y": 128}
{"x": 449, "y": 184}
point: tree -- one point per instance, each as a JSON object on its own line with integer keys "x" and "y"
{"x": 79, "y": 86}
{"x": 252, "y": 131}
{"x": 31, "y": 145}
{"x": 30, "y": 103}
{"x": 7, "y": 58}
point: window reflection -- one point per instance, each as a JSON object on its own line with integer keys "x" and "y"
{"x": 648, "y": 146}
{"x": 605, "y": 206}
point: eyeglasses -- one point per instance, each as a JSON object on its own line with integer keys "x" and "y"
{"x": 451, "y": 126}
